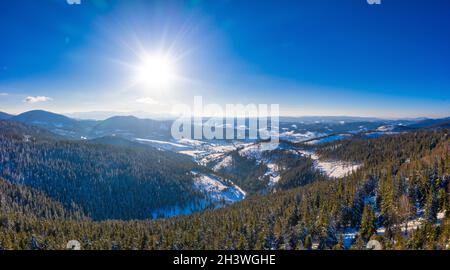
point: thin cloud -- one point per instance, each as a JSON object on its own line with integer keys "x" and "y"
{"x": 147, "y": 100}
{"x": 3, "y": 94}
{"x": 36, "y": 99}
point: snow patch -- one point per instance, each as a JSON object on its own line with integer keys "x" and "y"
{"x": 163, "y": 143}
{"x": 256, "y": 150}
{"x": 218, "y": 190}
{"x": 218, "y": 193}
{"x": 191, "y": 153}
{"x": 190, "y": 142}
{"x": 273, "y": 173}
{"x": 385, "y": 128}
{"x": 225, "y": 162}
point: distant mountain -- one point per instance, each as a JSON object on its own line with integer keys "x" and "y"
{"x": 291, "y": 128}
{"x": 103, "y": 115}
{"x": 43, "y": 117}
{"x": 132, "y": 127}
{"x": 427, "y": 123}
{"x": 56, "y": 123}
{"x": 402, "y": 128}
{"x": 129, "y": 127}
{"x": 4, "y": 116}
{"x": 328, "y": 119}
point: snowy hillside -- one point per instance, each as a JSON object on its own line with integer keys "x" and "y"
{"x": 334, "y": 169}
{"x": 218, "y": 190}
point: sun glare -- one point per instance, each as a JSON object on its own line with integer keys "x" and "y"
{"x": 155, "y": 71}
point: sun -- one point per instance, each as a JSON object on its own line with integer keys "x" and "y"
{"x": 155, "y": 71}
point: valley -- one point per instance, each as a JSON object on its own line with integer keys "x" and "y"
{"x": 315, "y": 189}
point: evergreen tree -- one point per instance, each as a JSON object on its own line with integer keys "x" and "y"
{"x": 442, "y": 198}
{"x": 270, "y": 242}
{"x": 308, "y": 242}
{"x": 327, "y": 238}
{"x": 367, "y": 223}
{"x": 431, "y": 207}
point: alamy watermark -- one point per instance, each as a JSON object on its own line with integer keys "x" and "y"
{"x": 234, "y": 122}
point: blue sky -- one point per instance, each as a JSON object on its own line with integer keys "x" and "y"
{"x": 313, "y": 57}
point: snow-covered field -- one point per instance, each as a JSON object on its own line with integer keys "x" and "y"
{"x": 335, "y": 169}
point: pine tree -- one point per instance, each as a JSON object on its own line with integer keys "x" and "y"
{"x": 270, "y": 242}
{"x": 359, "y": 244}
{"x": 327, "y": 237}
{"x": 367, "y": 223}
{"x": 144, "y": 242}
{"x": 6, "y": 242}
{"x": 242, "y": 243}
{"x": 308, "y": 242}
{"x": 442, "y": 198}
{"x": 34, "y": 244}
{"x": 340, "y": 244}
{"x": 405, "y": 210}
{"x": 431, "y": 207}
{"x": 387, "y": 201}
{"x": 294, "y": 218}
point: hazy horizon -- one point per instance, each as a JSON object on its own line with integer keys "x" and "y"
{"x": 102, "y": 115}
